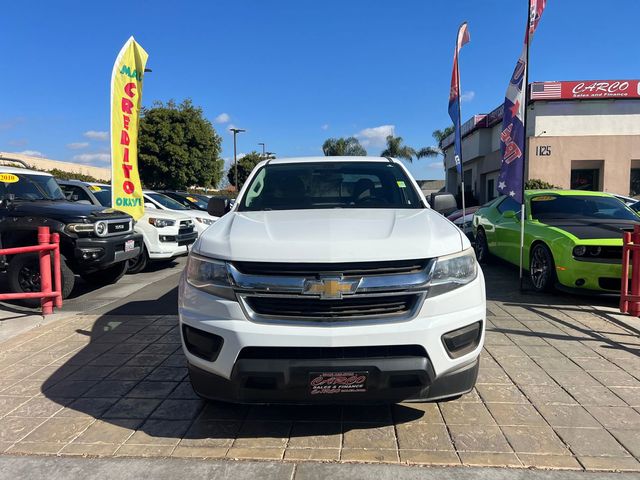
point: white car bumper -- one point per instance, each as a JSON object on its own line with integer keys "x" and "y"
{"x": 447, "y": 375}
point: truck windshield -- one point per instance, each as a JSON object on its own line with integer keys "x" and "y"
{"x": 31, "y": 187}
{"x": 547, "y": 207}
{"x": 294, "y": 186}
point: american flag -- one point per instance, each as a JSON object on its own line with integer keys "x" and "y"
{"x": 546, "y": 90}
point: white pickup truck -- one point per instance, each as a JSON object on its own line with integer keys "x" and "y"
{"x": 331, "y": 280}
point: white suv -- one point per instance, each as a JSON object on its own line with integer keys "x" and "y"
{"x": 331, "y": 280}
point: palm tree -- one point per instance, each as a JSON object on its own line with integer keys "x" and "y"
{"x": 439, "y": 136}
{"x": 396, "y": 149}
{"x": 343, "y": 147}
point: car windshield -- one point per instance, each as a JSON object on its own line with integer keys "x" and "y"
{"x": 166, "y": 202}
{"x": 196, "y": 200}
{"x": 31, "y": 187}
{"x": 102, "y": 194}
{"x": 546, "y": 207}
{"x": 293, "y": 186}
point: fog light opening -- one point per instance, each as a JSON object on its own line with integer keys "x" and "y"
{"x": 463, "y": 340}
{"x": 202, "y": 344}
{"x": 580, "y": 282}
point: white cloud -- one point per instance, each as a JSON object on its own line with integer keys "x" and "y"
{"x": 436, "y": 165}
{"x": 33, "y": 153}
{"x": 77, "y": 145}
{"x": 96, "y": 135}
{"x": 375, "y": 136}
{"x": 222, "y": 118}
{"x": 93, "y": 158}
{"x": 325, "y": 126}
{"x": 467, "y": 96}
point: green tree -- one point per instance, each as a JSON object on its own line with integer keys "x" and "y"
{"x": 537, "y": 184}
{"x": 64, "y": 175}
{"x": 245, "y": 165}
{"x": 396, "y": 149}
{"x": 343, "y": 147}
{"x": 439, "y": 136}
{"x": 178, "y": 147}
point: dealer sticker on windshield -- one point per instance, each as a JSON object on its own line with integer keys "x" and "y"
{"x": 401, "y": 184}
{"x": 9, "y": 178}
{"x": 328, "y": 383}
{"x": 543, "y": 198}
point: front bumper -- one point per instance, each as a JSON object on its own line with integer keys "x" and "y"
{"x": 109, "y": 251}
{"x": 589, "y": 276}
{"x": 441, "y": 375}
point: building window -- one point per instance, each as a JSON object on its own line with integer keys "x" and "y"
{"x": 491, "y": 189}
{"x": 585, "y": 179}
{"x": 634, "y": 187}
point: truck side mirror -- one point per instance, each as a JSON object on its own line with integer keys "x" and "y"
{"x": 217, "y": 206}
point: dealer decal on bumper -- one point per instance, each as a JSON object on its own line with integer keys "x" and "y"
{"x": 337, "y": 382}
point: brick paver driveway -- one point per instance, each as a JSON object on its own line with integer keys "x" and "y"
{"x": 558, "y": 388}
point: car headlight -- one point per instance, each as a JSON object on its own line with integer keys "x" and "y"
{"x": 211, "y": 276}
{"x": 101, "y": 229}
{"x": 161, "y": 222}
{"x": 80, "y": 227}
{"x": 206, "y": 221}
{"x": 453, "y": 271}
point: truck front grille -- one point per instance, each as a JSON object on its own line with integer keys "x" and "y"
{"x": 332, "y": 310}
{"x": 335, "y": 353}
{"x": 346, "y": 269}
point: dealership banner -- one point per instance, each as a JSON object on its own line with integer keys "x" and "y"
{"x": 126, "y": 100}
{"x": 589, "y": 89}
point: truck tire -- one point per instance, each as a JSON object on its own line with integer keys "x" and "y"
{"x": 138, "y": 264}
{"x": 23, "y": 275}
{"x": 106, "y": 276}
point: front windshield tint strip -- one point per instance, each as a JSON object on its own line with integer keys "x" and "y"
{"x": 590, "y": 207}
{"x": 319, "y": 185}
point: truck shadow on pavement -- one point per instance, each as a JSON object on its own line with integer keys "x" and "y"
{"x": 131, "y": 375}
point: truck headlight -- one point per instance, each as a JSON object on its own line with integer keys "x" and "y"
{"x": 101, "y": 229}
{"x": 211, "y": 276}
{"x": 161, "y": 222}
{"x": 80, "y": 227}
{"x": 453, "y": 271}
{"x": 206, "y": 221}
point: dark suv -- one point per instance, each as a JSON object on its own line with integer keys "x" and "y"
{"x": 95, "y": 243}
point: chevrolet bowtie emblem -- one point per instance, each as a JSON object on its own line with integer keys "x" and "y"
{"x": 331, "y": 288}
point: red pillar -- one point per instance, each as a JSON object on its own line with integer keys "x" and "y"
{"x": 45, "y": 270}
{"x": 57, "y": 276}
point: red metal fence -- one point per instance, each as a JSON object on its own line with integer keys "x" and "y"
{"x": 630, "y": 300}
{"x": 47, "y": 243}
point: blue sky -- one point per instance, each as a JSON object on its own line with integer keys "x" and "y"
{"x": 291, "y": 72}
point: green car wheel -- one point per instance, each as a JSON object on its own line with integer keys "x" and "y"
{"x": 481, "y": 247}
{"x": 542, "y": 270}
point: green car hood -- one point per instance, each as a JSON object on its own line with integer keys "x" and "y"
{"x": 592, "y": 229}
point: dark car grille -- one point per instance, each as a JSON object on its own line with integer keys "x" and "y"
{"x": 185, "y": 227}
{"x": 346, "y": 269}
{"x": 611, "y": 283}
{"x": 308, "y": 353}
{"x": 118, "y": 227}
{"x": 331, "y": 310}
{"x": 611, "y": 252}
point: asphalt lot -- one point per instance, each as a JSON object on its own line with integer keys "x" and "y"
{"x": 559, "y": 388}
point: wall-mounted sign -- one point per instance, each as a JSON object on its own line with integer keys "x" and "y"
{"x": 590, "y": 89}
{"x": 543, "y": 150}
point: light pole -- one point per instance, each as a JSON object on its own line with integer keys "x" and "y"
{"x": 235, "y": 158}
{"x": 263, "y": 146}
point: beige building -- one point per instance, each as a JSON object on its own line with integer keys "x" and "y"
{"x": 47, "y": 164}
{"x": 580, "y": 135}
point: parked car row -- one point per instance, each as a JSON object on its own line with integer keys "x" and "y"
{"x": 97, "y": 243}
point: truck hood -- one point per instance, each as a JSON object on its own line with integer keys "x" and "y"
{"x": 63, "y": 211}
{"x": 331, "y": 235}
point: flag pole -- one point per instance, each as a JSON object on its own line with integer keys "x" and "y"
{"x": 525, "y": 153}
{"x": 464, "y": 213}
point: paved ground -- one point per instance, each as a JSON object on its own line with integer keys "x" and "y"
{"x": 559, "y": 387}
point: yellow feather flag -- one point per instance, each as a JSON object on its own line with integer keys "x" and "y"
{"x": 126, "y": 100}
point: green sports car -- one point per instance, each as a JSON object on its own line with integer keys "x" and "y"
{"x": 572, "y": 238}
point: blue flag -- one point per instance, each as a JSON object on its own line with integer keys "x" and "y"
{"x": 454, "y": 96}
{"x": 513, "y": 136}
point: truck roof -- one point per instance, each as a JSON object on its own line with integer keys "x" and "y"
{"x": 330, "y": 159}
{"x": 7, "y": 169}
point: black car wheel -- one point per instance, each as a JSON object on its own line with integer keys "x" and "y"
{"x": 138, "y": 264}
{"x": 23, "y": 276}
{"x": 106, "y": 276}
{"x": 482, "y": 247}
{"x": 542, "y": 268}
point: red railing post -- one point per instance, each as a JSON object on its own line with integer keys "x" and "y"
{"x": 624, "y": 280}
{"x": 634, "y": 306}
{"x": 45, "y": 271}
{"x": 57, "y": 276}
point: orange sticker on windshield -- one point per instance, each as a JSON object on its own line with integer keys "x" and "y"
{"x": 95, "y": 188}
{"x": 191, "y": 199}
{"x": 9, "y": 178}
{"x": 543, "y": 198}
